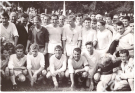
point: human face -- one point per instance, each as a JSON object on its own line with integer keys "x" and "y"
{"x": 120, "y": 29}
{"x": 34, "y": 52}
{"x": 99, "y": 26}
{"x": 93, "y": 24}
{"x": 4, "y": 20}
{"x": 19, "y": 52}
{"x": 24, "y": 21}
{"x": 42, "y": 17}
{"x": 46, "y": 19}
{"x": 13, "y": 18}
{"x": 6, "y": 53}
{"x": 76, "y": 55}
{"x": 125, "y": 22}
{"x": 11, "y": 50}
{"x": 90, "y": 49}
{"x": 99, "y": 17}
{"x": 123, "y": 57}
{"x": 79, "y": 20}
{"x": 54, "y": 20}
{"x": 58, "y": 53}
{"x": 93, "y": 16}
{"x": 70, "y": 22}
{"x": 108, "y": 20}
{"x": 61, "y": 20}
{"x": 36, "y": 22}
{"x": 115, "y": 17}
{"x": 132, "y": 27}
{"x": 87, "y": 23}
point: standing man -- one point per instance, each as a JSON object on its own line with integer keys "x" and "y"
{"x": 70, "y": 36}
{"x": 23, "y": 29}
{"x": 61, "y": 20}
{"x": 8, "y": 30}
{"x": 55, "y": 34}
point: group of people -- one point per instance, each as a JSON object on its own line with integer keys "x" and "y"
{"x": 89, "y": 52}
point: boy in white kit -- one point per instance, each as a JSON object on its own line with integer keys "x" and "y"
{"x": 87, "y": 34}
{"x": 70, "y": 36}
{"x": 55, "y": 34}
{"x": 35, "y": 64}
{"x": 17, "y": 66}
{"x": 78, "y": 67}
{"x": 57, "y": 65}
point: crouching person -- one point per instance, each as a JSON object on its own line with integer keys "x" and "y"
{"x": 105, "y": 72}
{"x": 77, "y": 68}
{"x": 57, "y": 65}
{"x": 125, "y": 77}
{"x": 35, "y": 64}
{"x": 17, "y": 66}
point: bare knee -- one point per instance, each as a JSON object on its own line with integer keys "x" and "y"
{"x": 25, "y": 72}
{"x": 21, "y": 78}
{"x": 44, "y": 72}
{"x": 48, "y": 75}
{"x": 67, "y": 74}
{"x": 11, "y": 72}
{"x": 84, "y": 74}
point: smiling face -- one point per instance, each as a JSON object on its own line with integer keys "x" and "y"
{"x": 19, "y": 52}
{"x": 120, "y": 29}
{"x": 76, "y": 55}
{"x": 125, "y": 22}
{"x": 54, "y": 20}
{"x": 87, "y": 23}
{"x": 124, "y": 57}
{"x": 4, "y": 20}
{"x": 58, "y": 53}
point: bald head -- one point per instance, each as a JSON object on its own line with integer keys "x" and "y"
{"x": 13, "y": 17}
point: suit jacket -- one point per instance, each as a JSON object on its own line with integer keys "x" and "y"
{"x": 23, "y": 34}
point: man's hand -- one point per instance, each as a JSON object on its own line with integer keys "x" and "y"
{"x": 118, "y": 48}
{"x": 123, "y": 76}
{"x": 76, "y": 71}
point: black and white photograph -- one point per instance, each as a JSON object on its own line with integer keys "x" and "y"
{"x": 67, "y": 46}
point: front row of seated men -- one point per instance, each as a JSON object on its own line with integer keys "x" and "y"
{"x": 89, "y": 67}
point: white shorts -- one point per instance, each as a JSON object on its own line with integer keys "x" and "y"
{"x": 52, "y": 46}
{"x": 70, "y": 48}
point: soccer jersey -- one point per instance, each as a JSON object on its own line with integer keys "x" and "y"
{"x": 15, "y": 62}
{"x": 86, "y": 36}
{"x": 55, "y": 34}
{"x": 9, "y": 32}
{"x": 104, "y": 39}
{"x": 93, "y": 59}
{"x": 71, "y": 36}
{"x": 73, "y": 65}
{"x": 55, "y": 63}
{"x": 35, "y": 63}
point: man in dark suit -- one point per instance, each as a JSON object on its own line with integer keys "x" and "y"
{"x": 23, "y": 28}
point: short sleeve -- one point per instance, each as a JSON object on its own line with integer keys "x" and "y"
{"x": 15, "y": 32}
{"x": 29, "y": 66}
{"x": 10, "y": 64}
{"x": 42, "y": 61}
{"x": 64, "y": 34}
{"x": 70, "y": 66}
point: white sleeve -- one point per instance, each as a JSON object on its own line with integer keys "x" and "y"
{"x": 15, "y": 32}
{"x": 131, "y": 39}
{"x": 70, "y": 66}
{"x": 42, "y": 61}
{"x": 64, "y": 34}
{"x": 10, "y": 64}
{"x": 29, "y": 66}
{"x": 95, "y": 36}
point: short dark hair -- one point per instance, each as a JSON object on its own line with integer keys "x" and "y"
{"x": 119, "y": 23}
{"x": 4, "y": 14}
{"x": 53, "y": 15}
{"x": 126, "y": 17}
{"x": 109, "y": 15}
{"x": 79, "y": 15}
{"x": 124, "y": 51}
{"x": 77, "y": 50}
{"x": 19, "y": 46}
{"x": 58, "y": 47}
{"x": 89, "y": 43}
{"x": 25, "y": 15}
{"x": 3, "y": 48}
{"x": 87, "y": 18}
{"x": 102, "y": 22}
